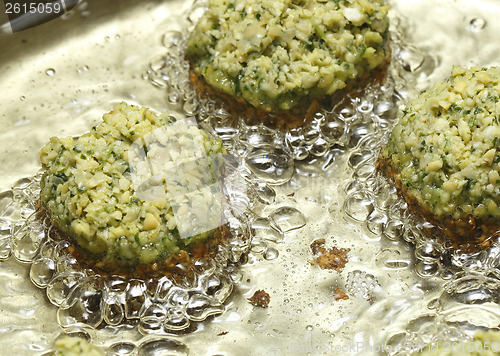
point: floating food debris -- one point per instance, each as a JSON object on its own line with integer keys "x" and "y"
{"x": 260, "y": 299}
{"x": 332, "y": 258}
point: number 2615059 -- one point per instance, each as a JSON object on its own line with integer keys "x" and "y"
{"x": 47, "y": 8}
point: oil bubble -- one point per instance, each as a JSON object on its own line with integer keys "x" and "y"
{"x": 477, "y": 24}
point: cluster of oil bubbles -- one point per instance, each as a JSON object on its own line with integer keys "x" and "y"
{"x": 361, "y": 284}
{"x": 467, "y": 303}
{"x": 156, "y": 305}
{"x": 423, "y": 334}
{"x": 372, "y": 201}
{"x": 471, "y": 282}
{"x": 148, "y": 346}
{"x": 270, "y": 154}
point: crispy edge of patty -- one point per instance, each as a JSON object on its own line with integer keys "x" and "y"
{"x": 467, "y": 233}
{"x": 300, "y": 114}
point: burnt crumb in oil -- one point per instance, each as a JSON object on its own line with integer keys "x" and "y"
{"x": 339, "y": 294}
{"x": 260, "y": 299}
{"x": 332, "y": 258}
